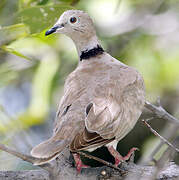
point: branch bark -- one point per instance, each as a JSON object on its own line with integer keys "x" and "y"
{"x": 24, "y": 175}
{"x": 161, "y": 138}
{"x": 170, "y": 171}
{"x": 161, "y": 113}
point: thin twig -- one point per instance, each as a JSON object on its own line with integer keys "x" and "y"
{"x": 160, "y": 112}
{"x": 47, "y": 166}
{"x": 17, "y": 154}
{"x": 22, "y": 156}
{"x": 162, "y": 138}
{"x": 102, "y": 161}
{"x": 170, "y": 133}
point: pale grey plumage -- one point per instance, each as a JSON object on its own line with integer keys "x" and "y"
{"x": 114, "y": 90}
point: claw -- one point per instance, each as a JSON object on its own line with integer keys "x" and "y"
{"x": 79, "y": 164}
{"x": 118, "y": 157}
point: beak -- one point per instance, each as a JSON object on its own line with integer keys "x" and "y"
{"x": 53, "y": 29}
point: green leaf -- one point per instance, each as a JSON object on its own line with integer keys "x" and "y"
{"x": 42, "y": 2}
{"x": 72, "y": 2}
{"x": 41, "y": 17}
{"x": 66, "y": 1}
{"x": 30, "y": 3}
{"x": 12, "y": 51}
{"x": 13, "y": 32}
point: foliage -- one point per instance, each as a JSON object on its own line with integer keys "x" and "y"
{"x": 31, "y": 18}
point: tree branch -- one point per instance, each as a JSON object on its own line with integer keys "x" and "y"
{"x": 102, "y": 161}
{"x": 160, "y": 112}
{"x": 18, "y": 154}
{"x": 24, "y": 175}
{"x": 162, "y": 138}
{"x": 170, "y": 171}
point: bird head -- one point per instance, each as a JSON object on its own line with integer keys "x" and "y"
{"x": 75, "y": 24}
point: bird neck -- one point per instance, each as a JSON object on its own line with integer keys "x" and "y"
{"x": 88, "y": 48}
{"x": 91, "y": 52}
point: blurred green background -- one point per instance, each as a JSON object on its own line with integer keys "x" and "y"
{"x": 33, "y": 68}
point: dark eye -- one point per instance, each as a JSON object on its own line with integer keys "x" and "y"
{"x": 73, "y": 19}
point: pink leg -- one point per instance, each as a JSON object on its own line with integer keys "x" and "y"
{"x": 78, "y": 162}
{"x": 118, "y": 157}
{"x": 132, "y": 150}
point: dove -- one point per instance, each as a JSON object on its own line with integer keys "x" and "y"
{"x": 102, "y": 100}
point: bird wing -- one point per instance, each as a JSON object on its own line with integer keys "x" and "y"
{"x": 97, "y": 123}
{"x": 114, "y": 110}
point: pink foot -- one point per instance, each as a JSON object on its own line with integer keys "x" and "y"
{"x": 79, "y": 164}
{"x": 129, "y": 154}
{"x": 118, "y": 157}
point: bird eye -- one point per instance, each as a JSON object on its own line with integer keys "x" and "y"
{"x": 73, "y": 19}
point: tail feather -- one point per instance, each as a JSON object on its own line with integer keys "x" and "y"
{"x": 48, "y": 150}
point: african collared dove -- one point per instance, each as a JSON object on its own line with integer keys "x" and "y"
{"x": 103, "y": 98}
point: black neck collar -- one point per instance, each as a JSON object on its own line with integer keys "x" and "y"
{"x": 91, "y": 53}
